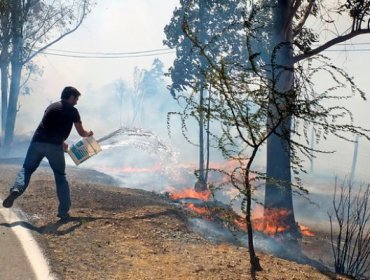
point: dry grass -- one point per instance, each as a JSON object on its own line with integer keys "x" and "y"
{"x": 121, "y": 233}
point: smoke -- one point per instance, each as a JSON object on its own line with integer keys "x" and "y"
{"x": 103, "y": 109}
{"x": 142, "y": 155}
{"x": 149, "y": 159}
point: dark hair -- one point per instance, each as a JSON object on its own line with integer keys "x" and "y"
{"x": 68, "y": 92}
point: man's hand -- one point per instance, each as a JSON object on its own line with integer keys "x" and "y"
{"x": 89, "y": 133}
{"x": 65, "y": 147}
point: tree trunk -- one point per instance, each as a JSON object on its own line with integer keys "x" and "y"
{"x": 16, "y": 72}
{"x": 201, "y": 135}
{"x": 12, "y": 107}
{"x": 201, "y": 184}
{"x": 4, "y": 95}
{"x": 278, "y": 192}
{"x": 4, "y": 65}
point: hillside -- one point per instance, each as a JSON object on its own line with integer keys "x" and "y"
{"x": 123, "y": 233}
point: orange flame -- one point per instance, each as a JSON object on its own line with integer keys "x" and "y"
{"x": 267, "y": 221}
{"x": 272, "y": 222}
{"x": 197, "y": 209}
{"x": 190, "y": 193}
{"x": 306, "y": 231}
{"x": 268, "y": 228}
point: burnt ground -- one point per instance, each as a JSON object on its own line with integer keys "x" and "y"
{"x": 123, "y": 233}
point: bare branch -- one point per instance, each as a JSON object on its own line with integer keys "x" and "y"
{"x": 84, "y": 11}
{"x": 295, "y": 6}
{"x": 330, "y": 43}
{"x": 303, "y": 19}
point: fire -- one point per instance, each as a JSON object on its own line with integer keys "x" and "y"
{"x": 272, "y": 222}
{"x": 190, "y": 193}
{"x": 306, "y": 231}
{"x": 268, "y": 221}
{"x": 197, "y": 209}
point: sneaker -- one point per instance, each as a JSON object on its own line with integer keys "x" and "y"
{"x": 64, "y": 216}
{"x": 8, "y": 202}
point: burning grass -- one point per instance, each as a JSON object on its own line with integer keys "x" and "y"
{"x": 265, "y": 221}
{"x": 122, "y": 233}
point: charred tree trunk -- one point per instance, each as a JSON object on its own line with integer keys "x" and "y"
{"x": 278, "y": 192}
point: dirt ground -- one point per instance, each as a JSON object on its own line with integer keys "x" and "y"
{"x": 123, "y": 233}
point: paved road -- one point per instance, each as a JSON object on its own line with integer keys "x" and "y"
{"x": 20, "y": 256}
{"x": 14, "y": 263}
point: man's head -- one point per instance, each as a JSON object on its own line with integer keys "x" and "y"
{"x": 70, "y": 95}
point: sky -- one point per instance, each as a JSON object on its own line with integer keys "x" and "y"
{"x": 137, "y": 25}
{"x": 112, "y": 27}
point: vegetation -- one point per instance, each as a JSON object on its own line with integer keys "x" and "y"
{"x": 261, "y": 61}
{"x": 350, "y": 230}
{"x": 27, "y": 29}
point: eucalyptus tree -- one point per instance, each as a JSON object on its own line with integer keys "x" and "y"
{"x": 279, "y": 45}
{"x": 294, "y": 42}
{"x": 153, "y": 79}
{"x": 4, "y": 59}
{"x": 148, "y": 88}
{"x": 236, "y": 105}
{"x": 190, "y": 68}
{"x": 34, "y": 25}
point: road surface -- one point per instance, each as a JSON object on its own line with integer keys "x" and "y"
{"x": 20, "y": 256}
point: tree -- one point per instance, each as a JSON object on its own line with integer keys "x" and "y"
{"x": 190, "y": 68}
{"x": 34, "y": 26}
{"x": 121, "y": 90}
{"x": 292, "y": 42}
{"x": 350, "y": 230}
{"x": 148, "y": 89}
{"x": 280, "y": 43}
{"x": 261, "y": 63}
{"x": 193, "y": 68}
{"x": 4, "y": 60}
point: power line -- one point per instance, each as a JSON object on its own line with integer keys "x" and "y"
{"x": 107, "y": 56}
{"x": 347, "y": 50}
{"x": 163, "y": 49}
{"x": 111, "y": 53}
{"x": 156, "y": 52}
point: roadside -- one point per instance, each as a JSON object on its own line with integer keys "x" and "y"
{"x": 20, "y": 257}
{"x": 122, "y": 233}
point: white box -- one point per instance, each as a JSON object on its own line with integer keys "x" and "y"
{"x": 84, "y": 149}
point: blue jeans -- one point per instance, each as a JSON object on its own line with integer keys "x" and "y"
{"x": 55, "y": 155}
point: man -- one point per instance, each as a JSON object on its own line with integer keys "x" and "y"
{"x": 48, "y": 141}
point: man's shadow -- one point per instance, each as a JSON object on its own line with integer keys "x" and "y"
{"x": 54, "y": 228}
{"x": 68, "y": 225}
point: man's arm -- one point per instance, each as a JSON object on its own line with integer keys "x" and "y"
{"x": 81, "y": 131}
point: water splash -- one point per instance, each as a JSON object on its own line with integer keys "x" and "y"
{"x": 137, "y": 137}
{"x": 157, "y": 177}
